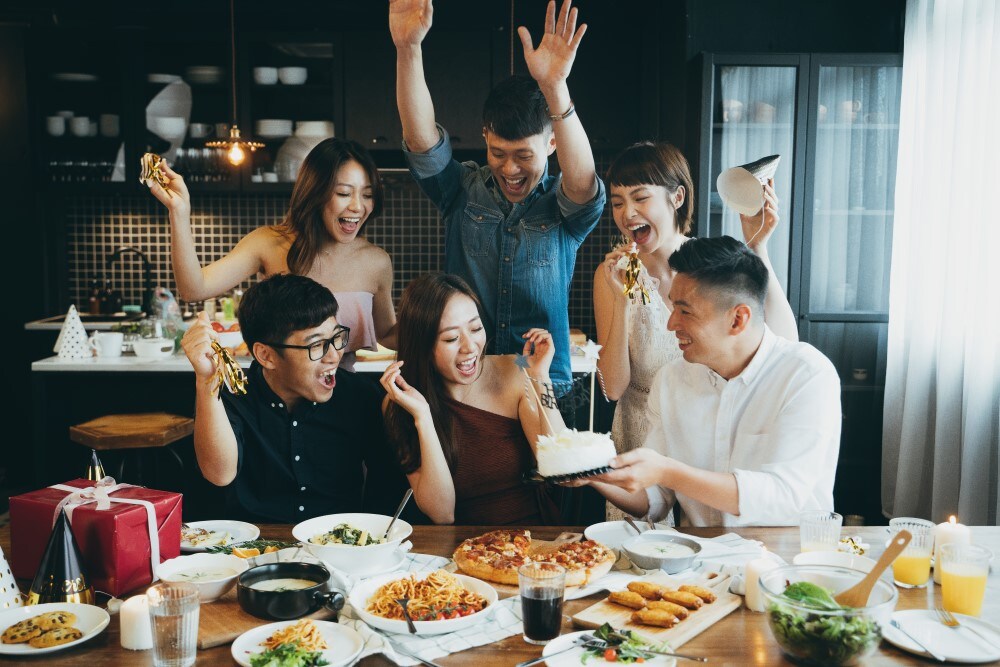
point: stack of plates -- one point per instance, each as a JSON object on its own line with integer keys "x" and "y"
{"x": 203, "y": 74}
{"x": 272, "y": 128}
{"x": 162, "y": 78}
{"x": 314, "y": 128}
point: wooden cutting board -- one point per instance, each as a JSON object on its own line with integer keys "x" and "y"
{"x": 224, "y": 620}
{"x": 510, "y": 590}
{"x": 697, "y": 621}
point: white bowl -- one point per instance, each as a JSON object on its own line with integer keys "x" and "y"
{"x": 209, "y": 589}
{"x": 230, "y": 339}
{"x": 349, "y": 558}
{"x": 365, "y": 589}
{"x": 167, "y": 127}
{"x": 153, "y": 348}
{"x": 265, "y": 76}
{"x": 314, "y": 128}
{"x": 272, "y": 128}
{"x": 293, "y": 76}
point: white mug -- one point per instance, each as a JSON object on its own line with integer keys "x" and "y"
{"x": 107, "y": 343}
{"x": 79, "y": 126}
{"x": 200, "y": 130}
{"x": 55, "y": 125}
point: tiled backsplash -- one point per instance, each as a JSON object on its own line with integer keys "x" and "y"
{"x": 409, "y": 230}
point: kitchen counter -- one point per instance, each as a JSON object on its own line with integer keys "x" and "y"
{"x": 178, "y": 363}
{"x": 55, "y": 323}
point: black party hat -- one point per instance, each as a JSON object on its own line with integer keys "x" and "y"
{"x": 95, "y": 471}
{"x": 60, "y": 576}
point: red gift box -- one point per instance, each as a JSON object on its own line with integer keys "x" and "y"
{"x": 115, "y": 542}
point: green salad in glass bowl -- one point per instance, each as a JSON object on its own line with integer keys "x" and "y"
{"x": 811, "y": 627}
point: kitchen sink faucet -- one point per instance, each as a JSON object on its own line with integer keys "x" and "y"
{"x": 147, "y": 275}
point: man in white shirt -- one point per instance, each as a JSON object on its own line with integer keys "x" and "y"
{"x": 746, "y": 428}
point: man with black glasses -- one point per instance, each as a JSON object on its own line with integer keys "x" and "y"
{"x": 299, "y": 442}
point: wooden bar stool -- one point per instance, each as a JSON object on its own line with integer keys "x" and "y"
{"x": 133, "y": 433}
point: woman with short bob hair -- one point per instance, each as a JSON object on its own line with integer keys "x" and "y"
{"x": 464, "y": 424}
{"x": 336, "y": 193}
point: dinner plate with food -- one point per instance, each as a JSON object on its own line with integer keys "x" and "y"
{"x": 604, "y": 646}
{"x": 298, "y": 643}
{"x": 45, "y": 628}
{"x": 203, "y": 535}
{"x": 439, "y": 602}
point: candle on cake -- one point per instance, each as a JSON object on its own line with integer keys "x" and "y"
{"x": 949, "y": 532}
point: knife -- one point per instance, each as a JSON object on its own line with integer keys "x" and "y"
{"x": 894, "y": 623}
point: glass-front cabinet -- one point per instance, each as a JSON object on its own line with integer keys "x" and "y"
{"x": 834, "y": 119}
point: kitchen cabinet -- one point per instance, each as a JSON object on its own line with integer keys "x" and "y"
{"x": 834, "y": 120}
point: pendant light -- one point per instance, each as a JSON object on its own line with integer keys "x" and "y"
{"x": 235, "y": 145}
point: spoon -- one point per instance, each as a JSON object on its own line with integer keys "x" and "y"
{"x": 402, "y": 602}
{"x": 632, "y": 523}
{"x": 857, "y": 595}
{"x": 399, "y": 510}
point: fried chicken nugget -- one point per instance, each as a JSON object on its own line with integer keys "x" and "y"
{"x": 659, "y": 617}
{"x": 675, "y": 609}
{"x": 705, "y": 594}
{"x": 646, "y": 589}
{"x": 683, "y": 598}
{"x": 627, "y": 599}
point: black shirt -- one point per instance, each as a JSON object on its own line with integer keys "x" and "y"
{"x": 308, "y": 462}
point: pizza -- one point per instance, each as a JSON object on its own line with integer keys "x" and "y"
{"x": 495, "y": 557}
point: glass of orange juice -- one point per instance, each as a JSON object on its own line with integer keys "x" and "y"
{"x": 964, "y": 568}
{"x": 912, "y": 568}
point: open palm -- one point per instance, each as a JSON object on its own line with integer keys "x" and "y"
{"x": 553, "y": 60}
{"x": 409, "y": 21}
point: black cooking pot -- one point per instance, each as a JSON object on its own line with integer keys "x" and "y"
{"x": 288, "y": 604}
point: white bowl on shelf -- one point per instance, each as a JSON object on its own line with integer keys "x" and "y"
{"x": 293, "y": 76}
{"x": 273, "y": 128}
{"x": 203, "y": 74}
{"x": 314, "y": 128}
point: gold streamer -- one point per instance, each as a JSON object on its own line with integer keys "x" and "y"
{"x": 633, "y": 287}
{"x": 228, "y": 372}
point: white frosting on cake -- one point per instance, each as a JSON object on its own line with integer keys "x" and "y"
{"x": 573, "y": 451}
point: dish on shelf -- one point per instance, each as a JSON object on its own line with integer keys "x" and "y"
{"x": 80, "y": 77}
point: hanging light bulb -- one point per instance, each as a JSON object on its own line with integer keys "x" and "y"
{"x": 236, "y": 147}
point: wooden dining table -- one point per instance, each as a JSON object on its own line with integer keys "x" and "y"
{"x": 741, "y": 638}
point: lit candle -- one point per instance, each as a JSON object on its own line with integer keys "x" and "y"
{"x": 136, "y": 631}
{"x": 949, "y": 531}
{"x": 751, "y": 577}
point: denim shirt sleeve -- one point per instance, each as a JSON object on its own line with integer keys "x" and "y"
{"x": 437, "y": 173}
{"x": 580, "y": 219}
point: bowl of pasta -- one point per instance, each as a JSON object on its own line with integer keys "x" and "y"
{"x": 353, "y": 542}
{"x": 440, "y": 602}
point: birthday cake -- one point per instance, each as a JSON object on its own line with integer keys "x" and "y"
{"x": 572, "y": 452}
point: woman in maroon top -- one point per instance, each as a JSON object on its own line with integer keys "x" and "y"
{"x": 464, "y": 424}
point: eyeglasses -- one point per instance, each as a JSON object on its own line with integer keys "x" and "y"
{"x": 319, "y": 349}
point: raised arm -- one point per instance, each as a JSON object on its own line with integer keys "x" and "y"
{"x": 533, "y": 423}
{"x": 432, "y": 484}
{"x": 383, "y": 311}
{"x": 214, "y": 441}
{"x": 409, "y": 21}
{"x": 195, "y": 283}
{"x": 611, "y": 311}
{"x": 550, "y": 65}
{"x": 757, "y": 229}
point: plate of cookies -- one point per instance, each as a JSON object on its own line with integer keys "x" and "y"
{"x": 45, "y": 628}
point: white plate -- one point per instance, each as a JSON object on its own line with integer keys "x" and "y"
{"x": 163, "y": 78}
{"x": 365, "y": 589}
{"x": 345, "y": 644}
{"x": 571, "y": 658}
{"x": 238, "y": 532}
{"x": 90, "y": 620}
{"x": 74, "y": 76}
{"x": 955, "y": 645}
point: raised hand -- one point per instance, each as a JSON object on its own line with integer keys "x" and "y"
{"x": 552, "y": 61}
{"x": 544, "y": 349}
{"x": 615, "y": 276}
{"x": 757, "y": 228}
{"x": 401, "y": 393}
{"x": 409, "y": 21}
{"x": 197, "y": 345}
{"x": 178, "y": 201}
{"x": 635, "y": 470}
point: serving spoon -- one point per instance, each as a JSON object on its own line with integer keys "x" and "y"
{"x": 857, "y": 595}
{"x": 399, "y": 510}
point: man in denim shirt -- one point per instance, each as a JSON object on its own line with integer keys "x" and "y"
{"x": 511, "y": 230}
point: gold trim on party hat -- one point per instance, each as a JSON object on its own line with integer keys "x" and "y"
{"x": 60, "y": 576}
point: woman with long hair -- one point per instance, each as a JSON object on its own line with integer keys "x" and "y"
{"x": 464, "y": 423}
{"x": 337, "y": 192}
{"x": 652, "y": 204}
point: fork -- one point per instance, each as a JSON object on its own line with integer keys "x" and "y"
{"x": 402, "y": 602}
{"x": 949, "y": 619}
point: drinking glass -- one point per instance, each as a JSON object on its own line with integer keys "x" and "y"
{"x": 819, "y": 530}
{"x": 173, "y": 610}
{"x": 912, "y": 568}
{"x": 541, "y": 586}
{"x": 963, "y": 577}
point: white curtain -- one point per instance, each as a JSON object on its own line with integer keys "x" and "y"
{"x": 942, "y": 398}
